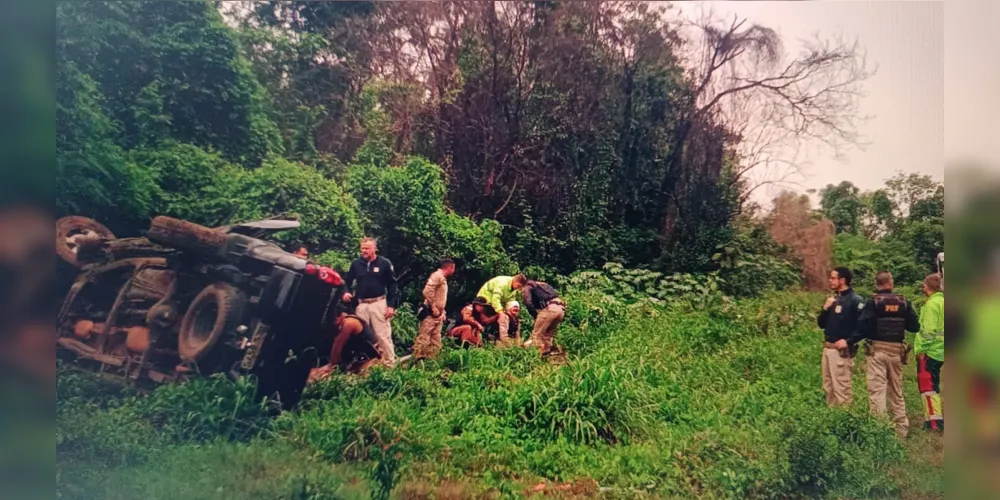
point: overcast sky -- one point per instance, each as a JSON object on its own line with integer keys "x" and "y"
{"x": 905, "y": 97}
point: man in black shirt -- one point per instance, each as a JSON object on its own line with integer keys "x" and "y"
{"x": 544, "y": 303}
{"x": 377, "y": 294}
{"x": 839, "y": 321}
{"x": 884, "y": 320}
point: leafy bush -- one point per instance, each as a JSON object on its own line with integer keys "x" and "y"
{"x": 865, "y": 258}
{"x": 328, "y": 214}
{"x": 94, "y": 175}
{"x": 169, "y": 71}
{"x": 752, "y": 263}
{"x": 188, "y": 181}
{"x": 404, "y": 207}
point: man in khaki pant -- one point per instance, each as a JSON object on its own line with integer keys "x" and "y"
{"x": 885, "y": 319}
{"x": 428, "y": 341}
{"x": 544, "y": 303}
{"x": 839, "y": 321}
{"x": 377, "y": 294}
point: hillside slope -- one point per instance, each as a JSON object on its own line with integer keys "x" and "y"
{"x": 718, "y": 400}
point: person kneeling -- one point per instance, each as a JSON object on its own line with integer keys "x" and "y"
{"x": 355, "y": 348}
{"x": 473, "y": 322}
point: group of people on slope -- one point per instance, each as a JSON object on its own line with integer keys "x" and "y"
{"x": 881, "y": 323}
{"x": 364, "y": 337}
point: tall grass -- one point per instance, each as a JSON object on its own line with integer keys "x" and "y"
{"x": 667, "y": 400}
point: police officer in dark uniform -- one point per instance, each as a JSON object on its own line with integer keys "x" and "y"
{"x": 839, "y": 321}
{"x": 884, "y": 321}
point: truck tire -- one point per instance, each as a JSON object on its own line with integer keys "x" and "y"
{"x": 185, "y": 235}
{"x": 213, "y": 312}
{"x": 71, "y": 231}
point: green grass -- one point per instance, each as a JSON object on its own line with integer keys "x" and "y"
{"x": 674, "y": 401}
{"x": 257, "y": 470}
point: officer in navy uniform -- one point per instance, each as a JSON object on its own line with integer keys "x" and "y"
{"x": 839, "y": 321}
{"x": 884, "y": 321}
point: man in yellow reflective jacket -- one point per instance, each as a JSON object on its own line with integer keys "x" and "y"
{"x": 928, "y": 345}
{"x": 497, "y": 292}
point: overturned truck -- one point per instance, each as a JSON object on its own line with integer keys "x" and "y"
{"x": 189, "y": 300}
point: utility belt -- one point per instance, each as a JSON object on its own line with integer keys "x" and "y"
{"x": 849, "y": 352}
{"x": 557, "y": 301}
{"x": 426, "y": 311}
{"x": 900, "y": 349}
{"x": 371, "y": 300}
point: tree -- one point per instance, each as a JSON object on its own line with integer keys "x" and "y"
{"x": 169, "y": 70}
{"x": 793, "y": 223}
{"x": 906, "y": 190}
{"x": 315, "y": 58}
{"x": 843, "y": 205}
{"x": 877, "y": 216}
{"x": 928, "y": 208}
{"x": 740, "y": 77}
{"x": 94, "y": 175}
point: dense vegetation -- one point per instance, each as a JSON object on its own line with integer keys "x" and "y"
{"x": 601, "y": 146}
{"x": 663, "y": 396}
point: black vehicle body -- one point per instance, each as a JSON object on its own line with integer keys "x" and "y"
{"x": 189, "y": 300}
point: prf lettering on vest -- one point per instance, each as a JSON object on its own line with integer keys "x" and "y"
{"x": 891, "y": 308}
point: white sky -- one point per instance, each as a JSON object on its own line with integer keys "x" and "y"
{"x": 933, "y": 98}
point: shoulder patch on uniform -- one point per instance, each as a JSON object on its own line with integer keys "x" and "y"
{"x": 861, "y": 305}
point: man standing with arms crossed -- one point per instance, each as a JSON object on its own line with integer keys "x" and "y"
{"x": 839, "y": 321}
{"x": 885, "y": 319}
{"x": 428, "y": 341}
{"x": 377, "y": 294}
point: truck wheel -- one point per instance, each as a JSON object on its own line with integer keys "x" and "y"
{"x": 72, "y": 231}
{"x": 185, "y": 235}
{"x": 213, "y": 312}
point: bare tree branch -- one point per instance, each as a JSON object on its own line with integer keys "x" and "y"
{"x": 774, "y": 104}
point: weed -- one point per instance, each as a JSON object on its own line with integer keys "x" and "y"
{"x": 669, "y": 399}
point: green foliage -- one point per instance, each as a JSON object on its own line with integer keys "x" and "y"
{"x": 568, "y": 163}
{"x": 752, "y": 264}
{"x": 94, "y": 176}
{"x": 205, "y": 409}
{"x": 924, "y": 238}
{"x": 329, "y": 215}
{"x": 258, "y": 470}
{"x": 189, "y": 181}
{"x": 628, "y": 411}
{"x": 121, "y": 427}
{"x": 842, "y": 205}
{"x": 377, "y": 149}
{"x": 865, "y": 258}
{"x": 404, "y": 206}
{"x": 909, "y": 191}
{"x": 169, "y": 70}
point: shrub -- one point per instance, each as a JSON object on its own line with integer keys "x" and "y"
{"x": 94, "y": 176}
{"x": 329, "y": 215}
{"x": 405, "y": 208}
{"x": 865, "y": 258}
{"x": 189, "y": 181}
